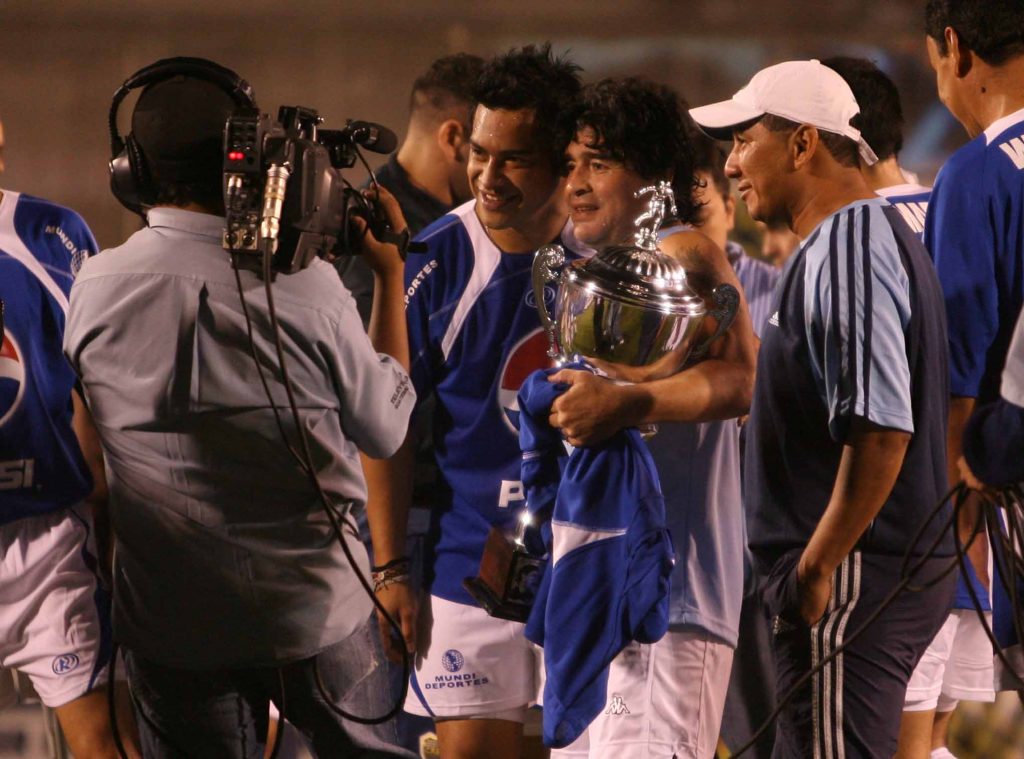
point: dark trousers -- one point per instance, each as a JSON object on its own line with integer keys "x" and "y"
{"x": 224, "y": 713}
{"x": 854, "y": 704}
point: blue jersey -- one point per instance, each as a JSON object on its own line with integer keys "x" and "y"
{"x": 42, "y": 245}
{"x": 607, "y": 582}
{"x": 474, "y": 337}
{"x": 975, "y": 234}
{"x": 858, "y": 329}
{"x": 911, "y": 200}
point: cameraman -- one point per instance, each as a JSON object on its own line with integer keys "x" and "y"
{"x": 230, "y": 587}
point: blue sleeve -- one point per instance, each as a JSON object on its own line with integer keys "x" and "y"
{"x": 80, "y": 235}
{"x": 857, "y": 308}
{"x": 420, "y": 271}
{"x": 959, "y": 236}
{"x": 993, "y": 442}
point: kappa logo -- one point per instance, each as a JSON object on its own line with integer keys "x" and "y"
{"x": 12, "y": 378}
{"x": 528, "y": 355}
{"x": 452, "y": 660}
{"x": 64, "y": 664}
{"x": 774, "y": 320}
{"x": 617, "y": 706}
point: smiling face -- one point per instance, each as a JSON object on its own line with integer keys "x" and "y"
{"x": 759, "y": 162}
{"x": 601, "y": 193}
{"x": 510, "y": 171}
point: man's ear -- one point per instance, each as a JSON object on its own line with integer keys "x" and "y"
{"x": 803, "y": 143}
{"x": 730, "y": 211}
{"x": 963, "y": 56}
{"x": 451, "y": 136}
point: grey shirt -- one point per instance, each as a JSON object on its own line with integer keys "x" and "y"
{"x": 224, "y": 556}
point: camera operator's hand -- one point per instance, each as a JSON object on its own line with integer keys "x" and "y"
{"x": 382, "y": 257}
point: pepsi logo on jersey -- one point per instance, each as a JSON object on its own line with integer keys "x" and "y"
{"x": 528, "y": 355}
{"x": 12, "y": 378}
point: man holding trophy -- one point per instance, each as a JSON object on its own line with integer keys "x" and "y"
{"x": 663, "y": 699}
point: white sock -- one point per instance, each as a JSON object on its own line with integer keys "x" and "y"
{"x": 942, "y": 753}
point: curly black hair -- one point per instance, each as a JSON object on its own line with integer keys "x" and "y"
{"x": 644, "y": 125}
{"x": 994, "y": 29}
{"x": 881, "y": 114}
{"x": 531, "y": 77}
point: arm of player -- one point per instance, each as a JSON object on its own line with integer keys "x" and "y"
{"x": 389, "y": 481}
{"x": 871, "y": 461}
{"x": 719, "y": 387}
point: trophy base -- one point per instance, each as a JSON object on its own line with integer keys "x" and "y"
{"x": 508, "y": 578}
{"x": 493, "y": 604}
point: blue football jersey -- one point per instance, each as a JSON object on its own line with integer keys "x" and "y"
{"x": 474, "y": 336}
{"x": 42, "y": 245}
{"x": 975, "y": 234}
{"x": 911, "y": 200}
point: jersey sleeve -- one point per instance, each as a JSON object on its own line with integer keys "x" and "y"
{"x": 857, "y": 306}
{"x": 376, "y": 394}
{"x": 83, "y": 243}
{"x": 420, "y": 273}
{"x": 959, "y": 236}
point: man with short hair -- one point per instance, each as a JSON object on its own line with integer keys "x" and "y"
{"x": 231, "y": 589}
{"x": 55, "y": 608}
{"x": 975, "y": 221}
{"x": 627, "y": 134}
{"x": 427, "y": 175}
{"x": 475, "y": 335}
{"x": 846, "y": 439}
{"x": 958, "y": 663}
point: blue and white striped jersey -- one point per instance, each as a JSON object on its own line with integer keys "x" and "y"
{"x": 474, "y": 336}
{"x": 911, "y": 200}
{"x": 42, "y": 245}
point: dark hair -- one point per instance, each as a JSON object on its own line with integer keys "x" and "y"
{"x": 994, "y": 29}
{"x": 447, "y": 87}
{"x": 532, "y": 78}
{"x": 843, "y": 149}
{"x": 644, "y": 125}
{"x": 178, "y": 126}
{"x": 881, "y": 115}
{"x": 709, "y": 157}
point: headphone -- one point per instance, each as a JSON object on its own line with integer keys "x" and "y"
{"x": 130, "y": 179}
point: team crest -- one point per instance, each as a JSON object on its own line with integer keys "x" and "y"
{"x": 528, "y": 355}
{"x": 12, "y": 378}
{"x": 65, "y": 663}
{"x": 452, "y": 660}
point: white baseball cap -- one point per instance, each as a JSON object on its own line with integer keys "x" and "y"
{"x": 806, "y": 92}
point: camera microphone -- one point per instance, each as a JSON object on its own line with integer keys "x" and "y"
{"x": 371, "y": 136}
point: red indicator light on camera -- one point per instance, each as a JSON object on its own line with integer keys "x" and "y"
{"x": 236, "y": 155}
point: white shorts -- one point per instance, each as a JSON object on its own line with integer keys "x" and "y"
{"x": 53, "y": 628}
{"x": 471, "y": 665}
{"x": 664, "y": 700}
{"x": 956, "y": 667}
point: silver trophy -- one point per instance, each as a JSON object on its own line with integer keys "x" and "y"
{"x": 628, "y": 310}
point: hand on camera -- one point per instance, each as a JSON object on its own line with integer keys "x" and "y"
{"x": 383, "y": 257}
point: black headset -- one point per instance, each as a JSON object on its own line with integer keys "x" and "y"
{"x": 130, "y": 179}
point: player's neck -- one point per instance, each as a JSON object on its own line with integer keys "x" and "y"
{"x": 1000, "y": 91}
{"x": 425, "y": 169}
{"x": 544, "y": 227}
{"x": 885, "y": 173}
{"x": 824, "y": 197}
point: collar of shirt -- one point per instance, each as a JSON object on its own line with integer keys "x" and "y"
{"x": 203, "y": 224}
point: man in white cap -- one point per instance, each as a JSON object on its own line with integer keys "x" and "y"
{"x": 845, "y": 455}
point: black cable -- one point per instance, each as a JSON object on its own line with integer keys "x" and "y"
{"x": 906, "y": 577}
{"x": 961, "y": 555}
{"x": 305, "y": 462}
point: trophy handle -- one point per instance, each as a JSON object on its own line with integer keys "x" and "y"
{"x": 727, "y": 302}
{"x": 545, "y": 261}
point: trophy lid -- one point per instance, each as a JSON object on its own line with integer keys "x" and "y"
{"x": 641, "y": 274}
